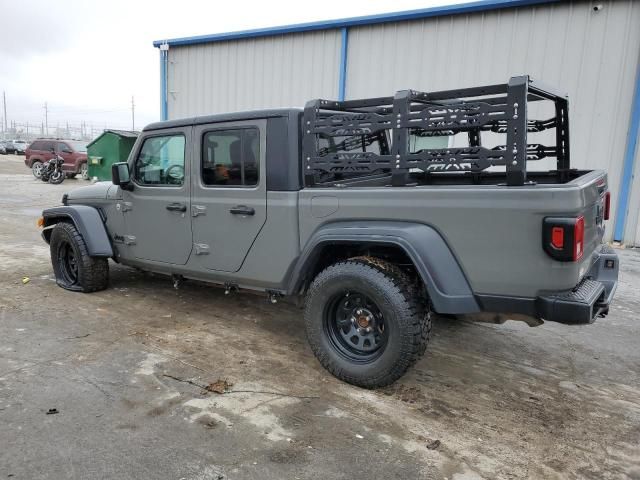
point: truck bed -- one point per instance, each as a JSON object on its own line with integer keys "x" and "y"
{"x": 486, "y": 226}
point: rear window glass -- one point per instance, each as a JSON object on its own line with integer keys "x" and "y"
{"x": 40, "y": 145}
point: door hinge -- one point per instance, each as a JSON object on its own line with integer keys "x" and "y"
{"x": 124, "y": 206}
{"x": 198, "y": 210}
{"x": 129, "y": 240}
{"x": 201, "y": 248}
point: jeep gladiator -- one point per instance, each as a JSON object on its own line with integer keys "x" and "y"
{"x": 377, "y": 212}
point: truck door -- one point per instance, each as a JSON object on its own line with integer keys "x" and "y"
{"x": 156, "y": 211}
{"x": 228, "y": 192}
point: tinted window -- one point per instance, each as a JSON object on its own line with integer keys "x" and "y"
{"x": 231, "y": 157}
{"x": 62, "y": 147}
{"x": 40, "y": 145}
{"x": 418, "y": 143}
{"x": 79, "y": 146}
{"x": 161, "y": 161}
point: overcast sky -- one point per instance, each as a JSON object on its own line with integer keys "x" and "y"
{"x": 86, "y": 58}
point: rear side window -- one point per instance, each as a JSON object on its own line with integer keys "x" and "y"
{"x": 161, "y": 161}
{"x": 38, "y": 145}
{"x": 231, "y": 157}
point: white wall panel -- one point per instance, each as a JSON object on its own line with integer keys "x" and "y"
{"x": 277, "y": 71}
{"x": 591, "y": 55}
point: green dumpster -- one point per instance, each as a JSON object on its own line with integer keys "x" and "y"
{"x": 110, "y": 147}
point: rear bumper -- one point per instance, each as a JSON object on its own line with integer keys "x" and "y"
{"x": 587, "y": 300}
{"x": 582, "y": 304}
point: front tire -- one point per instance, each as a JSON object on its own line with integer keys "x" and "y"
{"x": 74, "y": 269}
{"x": 367, "y": 322}
{"x": 56, "y": 177}
{"x": 36, "y": 169}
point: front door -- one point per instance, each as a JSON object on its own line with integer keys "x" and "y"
{"x": 229, "y": 193}
{"x": 66, "y": 153}
{"x": 156, "y": 211}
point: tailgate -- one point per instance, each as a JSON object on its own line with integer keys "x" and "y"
{"x": 597, "y": 201}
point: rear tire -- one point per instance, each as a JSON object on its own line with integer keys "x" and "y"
{"x": 366, "y": 321}
{"x": 84, "y": 171}
{"x": 74, "y": 269}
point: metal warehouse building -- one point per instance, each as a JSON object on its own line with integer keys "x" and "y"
{"x": 591, "y": 49}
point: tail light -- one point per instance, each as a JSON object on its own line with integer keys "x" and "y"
{"x": 563, "y": 238}
{"x": 607, "y": 205}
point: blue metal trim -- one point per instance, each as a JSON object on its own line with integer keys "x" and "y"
{"x": 627, "y": 166}
{"x": 342, "y": 80}
{"x": 479, "y": 6}
{"x": 163, "y": 85}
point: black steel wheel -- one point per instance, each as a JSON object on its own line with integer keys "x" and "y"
{"x": 355, "y": 326}
{"x": 67, "y": 263}
{"x": 366, "y": 321}
{"x": 73, "y": 267}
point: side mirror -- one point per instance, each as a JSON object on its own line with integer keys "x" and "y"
{"x": 120, "y": 175}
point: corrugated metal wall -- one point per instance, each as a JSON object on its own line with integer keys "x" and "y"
{"x": 592, "y": 55}
{"x": 280, "y": 71}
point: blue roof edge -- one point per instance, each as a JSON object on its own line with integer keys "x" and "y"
{"x": 456, "y": 9}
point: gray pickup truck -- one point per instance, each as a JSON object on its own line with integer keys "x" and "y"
{"x": 377, "y": 212}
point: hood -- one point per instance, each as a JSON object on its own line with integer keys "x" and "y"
{"x": 97, "y": 191}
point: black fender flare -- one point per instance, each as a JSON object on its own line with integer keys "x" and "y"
{"x": 439, "y": 269}
{"x": 89, "y": 223}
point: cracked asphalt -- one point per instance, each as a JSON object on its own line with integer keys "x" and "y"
{"x": 127, "y": 371}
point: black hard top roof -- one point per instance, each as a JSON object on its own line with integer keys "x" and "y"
{"x": 224, "y": 117}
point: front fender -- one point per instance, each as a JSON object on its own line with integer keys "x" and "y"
{"x": 441, "y": 273}
{"x": 88, "y": 222}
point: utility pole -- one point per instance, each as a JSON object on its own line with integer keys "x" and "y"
{"x": 4, "y": 102}
{"x": 46, "y": 119}
{"x": 133, "y": 114}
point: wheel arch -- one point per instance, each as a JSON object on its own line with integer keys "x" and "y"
{"x": 420, "y": 244}
{"x": 89, "y": 223}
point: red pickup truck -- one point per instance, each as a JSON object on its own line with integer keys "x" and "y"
{"x": 73, "y": 152}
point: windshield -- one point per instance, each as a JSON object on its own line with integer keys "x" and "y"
{"x": 78, "y": 146}
{"x": 21, "y": 142}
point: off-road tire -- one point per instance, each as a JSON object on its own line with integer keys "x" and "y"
{"x": 92, "y": 273}
{"x": 402, "y": 302}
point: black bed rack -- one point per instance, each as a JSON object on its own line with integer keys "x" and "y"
{"x": 391, "y": 120}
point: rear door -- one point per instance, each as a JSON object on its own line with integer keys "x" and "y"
{"x": 228, "y": 192}
{"x": 156, "y": 211}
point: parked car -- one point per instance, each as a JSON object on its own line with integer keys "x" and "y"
{"x": 3, "y": 148}
{"x": 339, "y": 205}
{"x": 20, "y": 147}
{"x": 73, "y": 152}
{"x": 9, "y": 148}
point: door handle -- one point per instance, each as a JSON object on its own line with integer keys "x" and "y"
{"x": 177, "y": 207}
{"x": 242, "y": 210}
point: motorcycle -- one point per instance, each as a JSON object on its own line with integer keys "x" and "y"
{"x": 52, "y": 170}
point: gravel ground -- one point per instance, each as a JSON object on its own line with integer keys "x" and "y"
{"x": 125, "y": 370}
